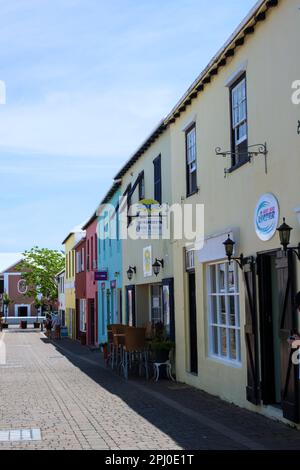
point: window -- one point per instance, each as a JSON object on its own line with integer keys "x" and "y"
{"x": 142, "y": 187}
{"x": 82, "y": 315}
{"x": 88, "y": 256}
{"x": 156, "y": 304}
{"x": 157, "y": 180}
{"x": 223, "y": 309}
{"x": 239, "y": 125}
{"x": 191, "y": 161}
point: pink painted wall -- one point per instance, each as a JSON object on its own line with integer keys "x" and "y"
{"x": 91, "y": 284}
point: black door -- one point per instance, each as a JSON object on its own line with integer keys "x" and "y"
{"x": 22, "y": 311}
{"x": 92, "y": 321}
{"x": 277, "y": 322}
{"x": 168, "y": 307}
{"x": 193, "y": 324}
{"x": 251, "y": 333}
{"x": 269, "y": 329}
{"x": 288, "y": 325}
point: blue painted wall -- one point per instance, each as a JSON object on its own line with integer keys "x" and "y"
{"x": 110, "y": 260}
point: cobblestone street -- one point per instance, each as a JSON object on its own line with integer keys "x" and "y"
{"x": 64, "y": 390}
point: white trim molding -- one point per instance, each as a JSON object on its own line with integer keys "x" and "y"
{"x": 236, "y": 74}
{"x": 213, "y": 249}
{"x": 23, "y": 305}
{"x": 189, "y": 122}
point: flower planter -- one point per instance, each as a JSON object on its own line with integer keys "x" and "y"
{"x": 23, "y": 325}
{"x": 36, "y": 325}
{"x": 105, "y": 352}
{"x": 160, "y": 355}
{"x": 83, "y": 338}
{"x": 4, "y": 326}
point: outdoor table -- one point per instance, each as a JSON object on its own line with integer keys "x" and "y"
{"x": 157, "y": 366}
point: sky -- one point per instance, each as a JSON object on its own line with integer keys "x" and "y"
{"x": 86, "y": 82}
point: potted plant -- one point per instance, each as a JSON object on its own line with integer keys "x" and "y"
{"x": 37, "y": 304}
{"x": 161, "y": 350}
{"x": 83, "y": 338}
{"x": 7, "y": 301}
{"x": 104, "y": 348}
{"x": 161, "y": 345}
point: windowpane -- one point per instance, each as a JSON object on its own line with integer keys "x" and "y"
{"x": 233, "y": 348}
{"x": 215, "y": 341}
{"x": 214, "y": 310}
{"x": 221, "y": 278}
{"x": 232, "y": 310}
{"x": 224, "y": 342}
{"x": 223, "y": 310}
{"x": 213, "y": 285}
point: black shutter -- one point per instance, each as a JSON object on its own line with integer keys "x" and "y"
{"x": 170, "y": 284}
{"x": 289, "y": 371}
{"x": 157, "y": 179}
{"x": 251, "y": 334}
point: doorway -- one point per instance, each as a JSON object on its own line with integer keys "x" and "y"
{"x": 92, "y": 321}
{"x": 22, "y": 311}
{"x": 270, "y": 330}
{"x": 193, "y": 323}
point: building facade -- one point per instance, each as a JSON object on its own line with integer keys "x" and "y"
{"x": 60, "y": 278}
{"x": 148, "y": 295}
{"x": 15, "y": 287}
{"x": 80, "y": 289}
{"x": 233, "y": 320}
{"x": 91, "y": 283}
{"x": 70, "y": 298}
{"x": 109, "y": 272}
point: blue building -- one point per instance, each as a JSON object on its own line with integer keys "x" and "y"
{"x": 109, "y": 262}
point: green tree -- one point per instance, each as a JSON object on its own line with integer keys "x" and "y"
{"x": 39, "y": 268}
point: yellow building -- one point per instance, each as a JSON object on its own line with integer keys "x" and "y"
{"x": 231, "y": 144}
{"x": 233, "y": 322}
{"x": 148, "y": 296}
{"x": 70, "y": 299}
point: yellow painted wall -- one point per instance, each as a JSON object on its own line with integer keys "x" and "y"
{"x": 70, "y": 297}
{"x": 132, "y": 250}
{"x": 270, "y": 54}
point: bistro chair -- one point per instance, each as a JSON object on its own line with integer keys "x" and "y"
{"x": 135, "y": 350}
{"x": 118, "y": 333}
{"x": 110, "y": 342}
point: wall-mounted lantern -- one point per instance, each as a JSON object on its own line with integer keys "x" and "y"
{"x": 159, "y": 263}
{"x": 131, "y": 271}
{"x": 229, "y": 247}
{"x": 285, "y": 238}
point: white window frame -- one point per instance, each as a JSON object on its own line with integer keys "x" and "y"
{"x": 219, "y": 325}
{"x": 191, "y": 163}
{"x": 236, "y": 125}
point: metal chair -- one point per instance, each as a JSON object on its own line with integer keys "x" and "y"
{"x": 118, "y": 343}
{"x": 135, "y": 350}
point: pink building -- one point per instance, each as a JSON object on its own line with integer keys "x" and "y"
{"x": 14, "y": 286}
{"x": 91, "y": 285}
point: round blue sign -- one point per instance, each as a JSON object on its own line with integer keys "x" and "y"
{"x": 266, "y": 217}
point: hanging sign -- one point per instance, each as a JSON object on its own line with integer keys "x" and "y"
{"x": 266, "y": 217}
{"x": 101, "y": 276}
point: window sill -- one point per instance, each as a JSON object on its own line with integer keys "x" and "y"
{"x": 239, "y": 165}
{"x": 193, "y": 193}
{"x": 225, "y": 362}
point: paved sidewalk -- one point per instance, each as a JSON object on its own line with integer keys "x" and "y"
{"x": 64, "y": 390}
